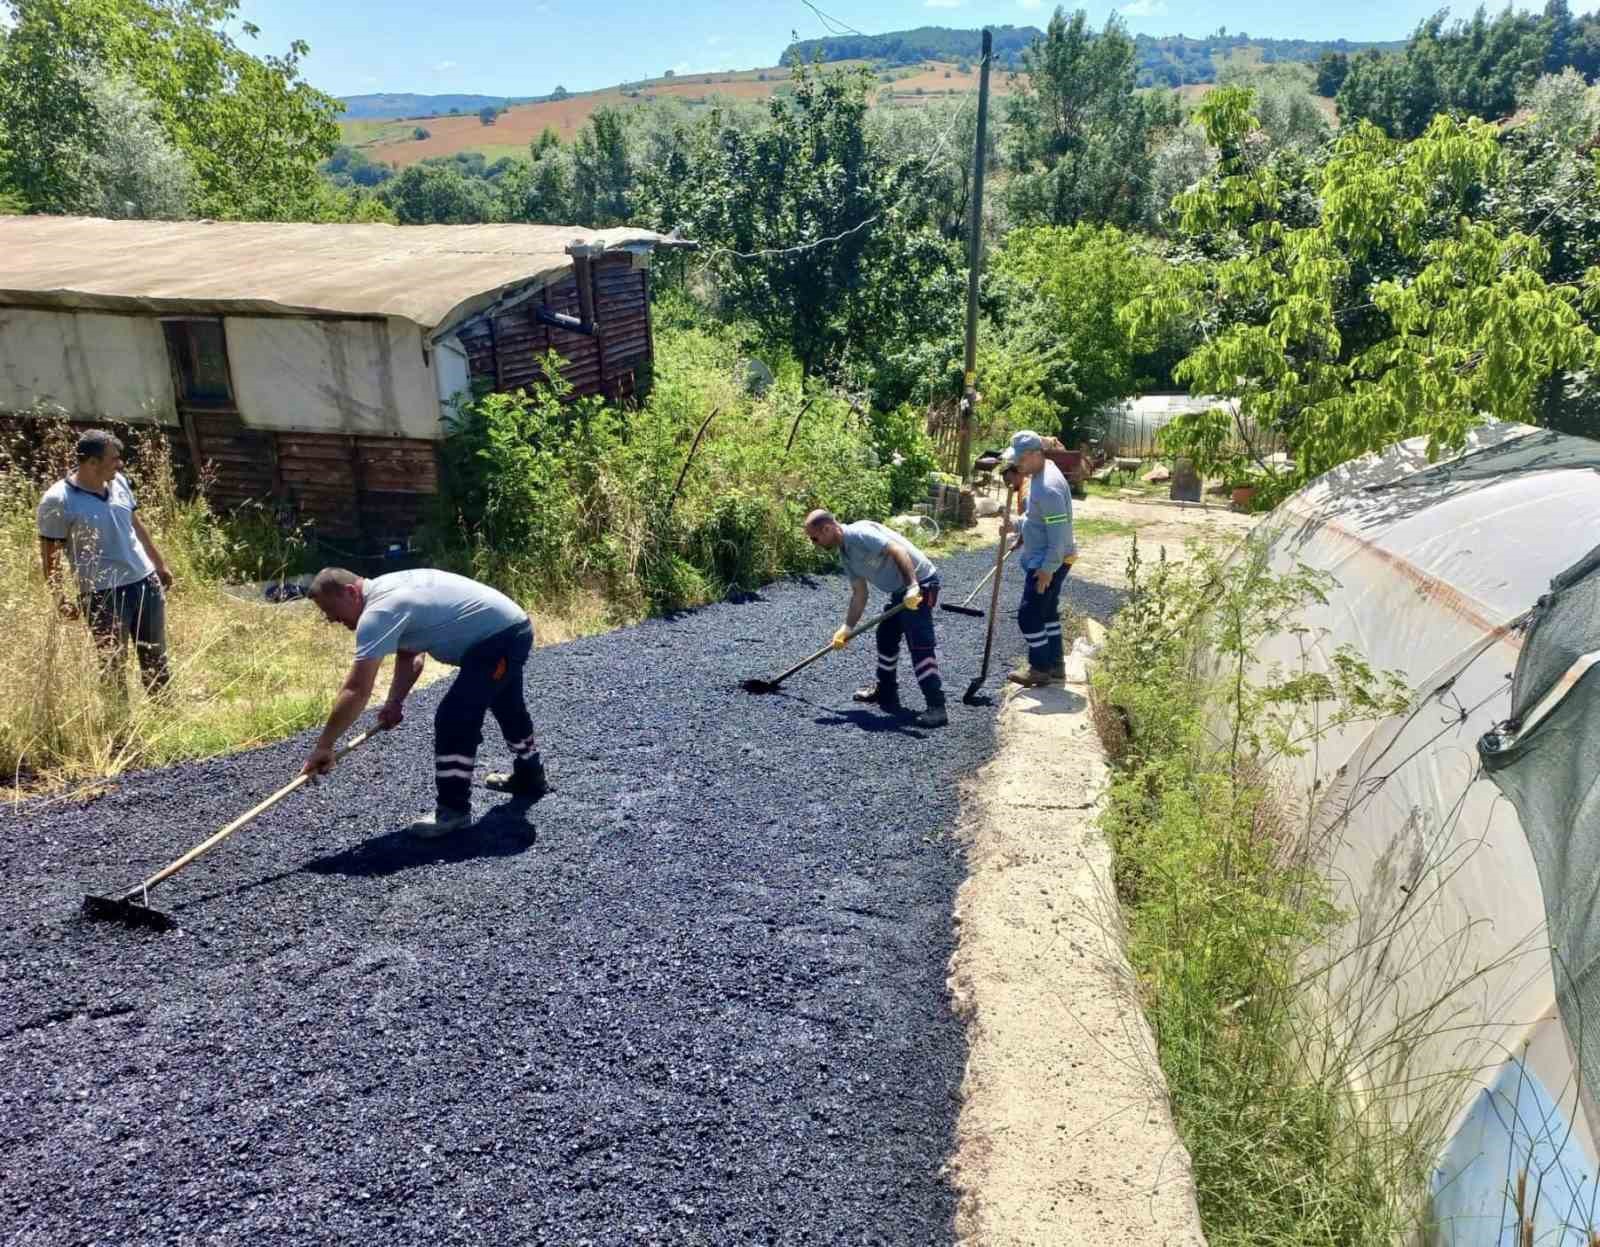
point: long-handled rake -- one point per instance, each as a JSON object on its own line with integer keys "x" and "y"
{"x": 965, "y": 607}
{"x": 771, "y": 686}
{"x": 133, "y": 906}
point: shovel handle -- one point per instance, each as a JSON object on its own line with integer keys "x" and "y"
{"x": 828, "y": 649}
{"x": 210, "y": 842}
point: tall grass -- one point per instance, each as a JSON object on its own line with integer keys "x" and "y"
{"x": 243, "y": 673}
{"x": 1296, "y": 1135}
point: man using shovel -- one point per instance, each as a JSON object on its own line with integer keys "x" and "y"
{"x": 1047, "y": 552}
{"x": 457, "y": 621}
{"x": 874, "y": 554}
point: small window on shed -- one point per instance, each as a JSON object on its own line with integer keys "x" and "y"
{"x": 199, "y": 354}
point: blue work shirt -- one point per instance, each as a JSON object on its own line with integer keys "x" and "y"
{"x": 1047, "y": 526}
{"x": 104, "y": 550}
{"x": 865, "y": 555}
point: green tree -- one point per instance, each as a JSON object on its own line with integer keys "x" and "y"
{"x": 1073, "y": 285}
{"x": 1474, "y": 68}
{"x": 249, "y": 128}
{"x": 1331, "y": 70}
{"x": 1080, "y": 138}
{"x": 547, "y": 141}
{"x": 429, "y": 194}
{"x": 1394, "y": 312}
{"x": 1564, "y": 108}
{"x": 603, "y": 171}
{"x": 813, "y": 233}
{"x": 487, "y": 114}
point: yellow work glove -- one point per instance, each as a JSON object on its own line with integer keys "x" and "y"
{"x": 913, "y": 597}
{"x": 1069, "y": 560}
{"x": 841, "y": 638}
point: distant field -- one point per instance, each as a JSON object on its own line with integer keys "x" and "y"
{"x": 513, "y": 130}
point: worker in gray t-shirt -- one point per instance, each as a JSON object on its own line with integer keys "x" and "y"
{"x": 413, "y": 614}
{"x": 120, "y": 575}
{"x": 879, "y": 556}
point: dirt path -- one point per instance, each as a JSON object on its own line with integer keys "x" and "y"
{"x": 1064, "y": 1136}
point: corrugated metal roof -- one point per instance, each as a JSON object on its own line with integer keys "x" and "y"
{"x": 430, "y": 274}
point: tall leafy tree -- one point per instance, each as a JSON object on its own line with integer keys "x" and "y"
{"x": 248, "y": 127}
{"x": 812, "y": 232}
{"x": 1401, "y": 308}
{"x": 1474, "y": 68}
{"x": 1080, "y": 139}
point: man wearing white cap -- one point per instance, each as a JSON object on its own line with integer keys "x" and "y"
{"x": 1047, "y": 552}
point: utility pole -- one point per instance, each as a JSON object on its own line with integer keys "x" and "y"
{"x": 969, "y": 399}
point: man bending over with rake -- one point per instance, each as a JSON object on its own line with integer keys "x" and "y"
{"x": 457, "y": 621}
{"x": 872, "y": 553}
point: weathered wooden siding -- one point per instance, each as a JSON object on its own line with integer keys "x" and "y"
{"x": 505, "y": 351}
{"x": 371, "y": 490}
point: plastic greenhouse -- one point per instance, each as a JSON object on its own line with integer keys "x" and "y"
{"x": 1463, "y": 838}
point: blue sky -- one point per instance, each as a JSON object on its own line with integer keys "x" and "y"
{"x": 529, "y": 47}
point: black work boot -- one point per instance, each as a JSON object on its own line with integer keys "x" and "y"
{"x": 933, "y": 716}
{"x": 527, "y": 782}
{"x": 881, "y": 694}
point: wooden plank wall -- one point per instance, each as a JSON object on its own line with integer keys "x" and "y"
{"x": 374, "y": 490}
{"x": 504, "y": 352}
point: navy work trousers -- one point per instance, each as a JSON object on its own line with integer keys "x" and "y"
{"x": 1039, "y": 617}
{"x": 917, "y": 628}
{"x": 489, "y": 682}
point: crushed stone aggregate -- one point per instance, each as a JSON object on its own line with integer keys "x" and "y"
{"x": 696, "y": 995}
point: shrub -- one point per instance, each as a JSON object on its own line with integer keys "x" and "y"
{"x": 419, "y": 134}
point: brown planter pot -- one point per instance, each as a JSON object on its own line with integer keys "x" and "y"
{"x": 1243, "y": 495}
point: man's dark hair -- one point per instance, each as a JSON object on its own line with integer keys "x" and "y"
{"x": 329, "y": 578}
{"x": 97, "y": 444}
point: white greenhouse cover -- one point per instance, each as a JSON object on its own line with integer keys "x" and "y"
{"x": 1442, "y": 977}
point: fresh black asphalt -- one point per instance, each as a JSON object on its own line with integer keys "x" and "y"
{"x": 696, "y": 995}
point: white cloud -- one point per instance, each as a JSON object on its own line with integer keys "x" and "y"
{"x": 1144, "y": 8}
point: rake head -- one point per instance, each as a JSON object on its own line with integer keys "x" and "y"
{"x": 760, "y": 686}
{"x": 961, "y": 610}
{"x": 970, "y": 697}
{"x": 128, "y": 912}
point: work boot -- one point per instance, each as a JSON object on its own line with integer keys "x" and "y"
{"x": 441, "y": 822}
{"x": 880, "y": 694}
{"x": 525, "y": 782}
{"x": 933, "y": 716}
{"x": 1033, "y": 677}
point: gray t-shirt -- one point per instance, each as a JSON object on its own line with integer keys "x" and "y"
{"x": 430, "y": 612}
{"x": 104, "y": 550}
{"x": 865, "y": 555}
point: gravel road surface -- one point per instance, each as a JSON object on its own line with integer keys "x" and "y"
{"x": 696, "y": 995}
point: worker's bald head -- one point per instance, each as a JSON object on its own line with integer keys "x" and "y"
{"x": 824, "y": 530}
{"x": 339, "y": 594}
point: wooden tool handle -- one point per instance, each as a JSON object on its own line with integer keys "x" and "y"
{"x": 212, "y": 841}
{"x": 994, "y": 595}
{"x": 827, "y": 649}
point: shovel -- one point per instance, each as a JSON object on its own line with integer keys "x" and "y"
{"x": 138, "y": 912}
{"x": 971, "y": 695}
{"x": 771, "y": 686}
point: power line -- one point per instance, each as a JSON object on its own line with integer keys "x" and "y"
{"x": 832, "y": 24}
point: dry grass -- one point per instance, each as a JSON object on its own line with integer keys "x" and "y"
{"x": 245, "y": 672}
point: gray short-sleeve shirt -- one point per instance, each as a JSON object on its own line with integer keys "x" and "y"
{"x": 97, "y": 530}
{"x": 865, "y": 555}
{"x": 426, "y": 611}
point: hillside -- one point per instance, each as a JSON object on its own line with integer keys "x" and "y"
{"x": 390, "y": 105}
{"x": 394, "y": 140}
{"x": 1164, "y": 61}
{"x": 905, "y": 47}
